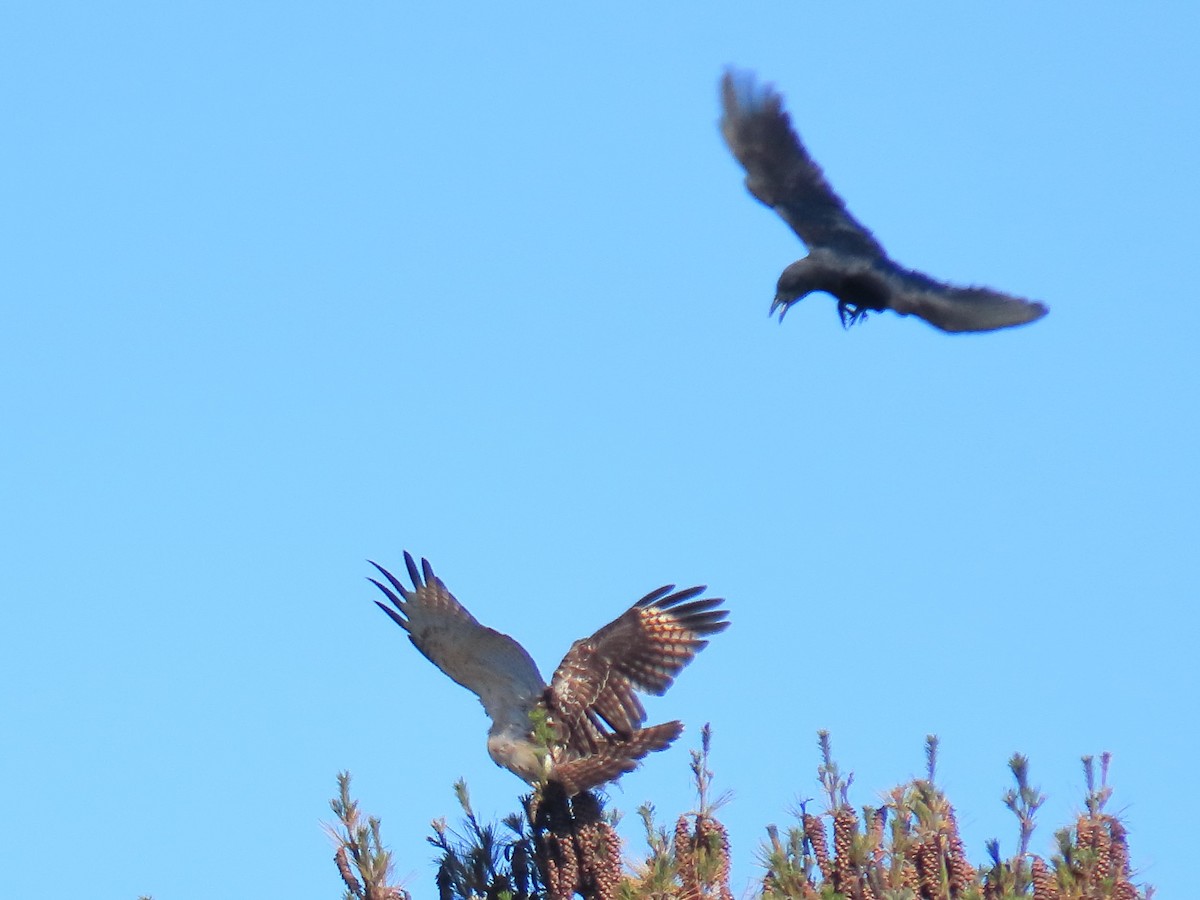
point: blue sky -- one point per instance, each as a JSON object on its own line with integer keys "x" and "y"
{"x": 290, "y": 286}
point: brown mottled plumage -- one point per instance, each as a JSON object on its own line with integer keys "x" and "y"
{"x": 844, "y": 258}
{"x": 591, "y": 706}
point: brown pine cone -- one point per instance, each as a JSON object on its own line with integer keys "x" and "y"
{"x": 845, "y": 824}
{"x": 599, "y": 864}
{"x": 1045, "y": 885}
{"x": 1103, "y": 844}
{"x": 685, "y": 857}
{"x": 929, "y": 868}
{"x": 1085, "y": 831}
{"x": 604, "y": 860}
{"x": 567, "y": 870}
{"x": 1120, "y": 847}
{"x": 958, "y": 867}
{"x": 712, "y": 836}
{"x": 814, "y": 830}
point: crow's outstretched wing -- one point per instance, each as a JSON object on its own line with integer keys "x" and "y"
{"x": 953, "y": 308}
{"x": 781, "y": 174}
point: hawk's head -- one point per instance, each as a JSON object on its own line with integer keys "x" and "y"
{"x": 520, "y": 755}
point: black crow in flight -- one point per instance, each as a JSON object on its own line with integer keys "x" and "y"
{"x": 844, "y": 259}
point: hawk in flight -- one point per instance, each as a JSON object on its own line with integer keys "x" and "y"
{"x": 844, "y": 259}
{"x": 589, "y": 718}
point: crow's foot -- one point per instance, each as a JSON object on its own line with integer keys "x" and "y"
{"x": 851, "y": 313}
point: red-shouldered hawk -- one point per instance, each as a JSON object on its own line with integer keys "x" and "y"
{"x": 591, "y": 709}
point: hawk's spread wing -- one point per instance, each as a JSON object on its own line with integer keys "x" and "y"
{"x": 490, "y": 664}
{"x": 643, "y": 650}
{"x": 781, "y": 174}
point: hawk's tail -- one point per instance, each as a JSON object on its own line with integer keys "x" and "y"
{"x": 614, "y": 758}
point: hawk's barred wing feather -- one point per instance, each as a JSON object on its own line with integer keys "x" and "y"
{"x": 641, "y": 650}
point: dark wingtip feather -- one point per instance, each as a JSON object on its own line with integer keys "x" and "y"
{"x": 392, "y": 614}
{"x": 396, "y": 601}
{"x": 695, "y": 607}
{"x": 712, "y": 622}
{"x": 413, "y": 572}
{"x": 682, "y": 596}
{"x": 704, "y": 616}
{"x": 651, "y": 598}
{"x": 396, "y": 583}
{"x": 741, "y": 90}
